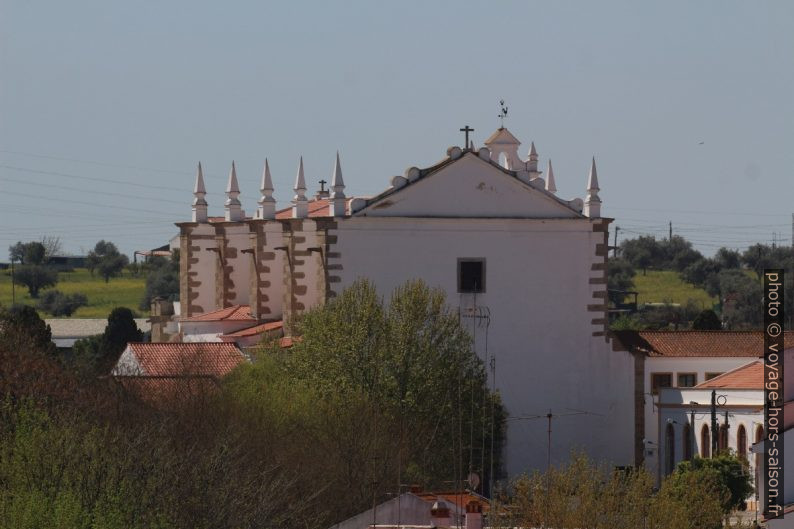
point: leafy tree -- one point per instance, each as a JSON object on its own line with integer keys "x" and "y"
{"x": 727, "y": 258}
{"x": 35, "y": 277}
{"x": 741, "y": 300}
{"x": 162, "y": 279}
{"x": 620, "y": 278}
{"x": 732, "y": 473}
{"x": 703, "y": 273}
{"x": 96, "y": 355}
{"x": 59, "y": 304}
{"x": 642, "y": 252}
{"x": 677, "y": 253}
{"x": 106, "y": 259}
{"x": 22, "y": 324}
{"x": 409, "y": 359}
{"x": 707, "y": 320}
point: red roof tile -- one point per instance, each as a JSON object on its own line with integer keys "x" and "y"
{"x": 233, "y": 313}
{"x": 698, "y": 343}
{"x": 748, "y": 376}
{"x": 187, "y": 358}
{"x": 167, "y": 392}
{"x": 456, "y": 498}
{"x": 256, "y": 329}
{"x": 318, "y": 207}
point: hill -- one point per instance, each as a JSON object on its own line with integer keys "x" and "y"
{"x": 662, "y": 286}
{"x": 125, "y": 291}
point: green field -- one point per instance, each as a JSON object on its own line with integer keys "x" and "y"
{"x": 665, "y": 286}
{"x": 124, "y": 291}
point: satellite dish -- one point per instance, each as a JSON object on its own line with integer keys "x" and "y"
{"x": 473, "y": 480}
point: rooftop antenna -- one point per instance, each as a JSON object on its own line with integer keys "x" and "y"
{"x": 502, "y": 113}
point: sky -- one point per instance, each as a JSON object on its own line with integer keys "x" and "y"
{"x": 106, "y": 107}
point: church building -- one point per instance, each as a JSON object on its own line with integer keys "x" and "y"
{"x": 525, "y": 267}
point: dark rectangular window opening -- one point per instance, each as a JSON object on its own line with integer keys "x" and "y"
{"x": 661, "y": 380}
{"x": 687, "y": 380}
{"x": 471, "y": 276}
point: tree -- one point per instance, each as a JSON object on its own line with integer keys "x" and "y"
{"x": 162, "y": 279}
{"x": 31, "y": 253}
{"x": 677, "y": 253}
{"x": 707, "y": 320}
{"x": 59, "y": 304}
{"x": 410, "y": 360}
{"x": 642, "y": 252}
{"x": 106, "y": 259}
{"x": 620, "y": 278}
{"x": 727, "y": 258}
{"x": 96, "y": 355}
{"x": 732, "y": 473}
{"x": 35, "y": 277}
{"x": 741, "y": 300}
{"x": 22, "y": 324}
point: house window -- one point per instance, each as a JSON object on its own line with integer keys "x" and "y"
{"x": 661, "y": 380}
{"x": 471, "y": 276}
{"x": 687, "y": 380}
{"x": 741, "y": 442}
{"x": 709, "y": 376}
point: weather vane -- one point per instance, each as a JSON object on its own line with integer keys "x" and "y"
{"x": 502, "y": 112}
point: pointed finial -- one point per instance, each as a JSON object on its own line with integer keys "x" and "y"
{"x": 592, "y": 202}
{"x": 592, "y": 180}
{"x": 232, "y": 205}
{"x": 336, "y": 208}
{"x": 267, "y": 204}
{"x": 533, "y": 154}
{"x": 551, "y": 185}
{"x": 471, "y": 145}
{"x": 300, "y": 208}
{"x": 199, "y": 192}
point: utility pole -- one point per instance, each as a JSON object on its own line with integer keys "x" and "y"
{"x": 13, "y": 285}
{"x": 692, "y": 444}
{"x": 617, "y": 229}
{"x": 670, "y": 232}
{"x": 713, "y": 422}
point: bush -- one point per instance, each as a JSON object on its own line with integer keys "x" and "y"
{"x": 59, "y": 304}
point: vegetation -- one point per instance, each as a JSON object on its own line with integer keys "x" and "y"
{"x": 675, "y": 273}
{"x": 125, "y": 292}
{"x": 162, "y": 279}
{"x": 272, "y": 446}
{"x": 96, "y": 355}
{"x": 33, "y": 271}
{"x": 587, "y": 495}
{"x": 58, "y": 304}
{"x": 106, "y": 260}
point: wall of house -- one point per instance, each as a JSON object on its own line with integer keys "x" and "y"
{"x": 545, "y": 293}
{"x": 675, "y": 365}
{"x": 744, "y": 407}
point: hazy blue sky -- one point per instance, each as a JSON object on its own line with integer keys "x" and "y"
{"x": 121, "y": 99}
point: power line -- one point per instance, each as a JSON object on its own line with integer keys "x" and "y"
{"x": 94, "y": 162}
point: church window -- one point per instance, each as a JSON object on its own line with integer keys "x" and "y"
{"x": 705, "y": 442}
{"x": 669, "y": 450}
{"x": 661, "y": 380}
{"x": 741, "y": 442}
{"x": 687, "y": 380}
{"x": 471, "y": 276}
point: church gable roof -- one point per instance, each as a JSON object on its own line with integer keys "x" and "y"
{"x": 466, "y": 186}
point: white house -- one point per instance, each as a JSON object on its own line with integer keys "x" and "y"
{"x": 526, "y": 269}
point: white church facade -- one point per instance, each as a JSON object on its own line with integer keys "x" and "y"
{"x": 488, "y": 228}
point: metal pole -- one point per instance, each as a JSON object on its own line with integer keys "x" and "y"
{"x": 713, "y": 422}
{"x": 13, "y": 284}
{"x": 692, "y": 444}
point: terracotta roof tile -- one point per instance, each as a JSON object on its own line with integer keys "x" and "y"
{"x": 256, "y": 329}
{"x": 698, "y": 343}
{"x": 167, "y": 392}
{"x": 187, "y": 358}
{"x": 456, "y": 498}
{"x": 318, "y": 207}
{"x": 748, "y": 376}
{"x": 233, "y": 313}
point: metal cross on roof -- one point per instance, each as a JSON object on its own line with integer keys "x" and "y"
{"x": 466, "y": 131}
{"x": 322, "y": 185}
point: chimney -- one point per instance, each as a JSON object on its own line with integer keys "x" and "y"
{"x": 440, "y": 515}
{"x": 474, "y": 515}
